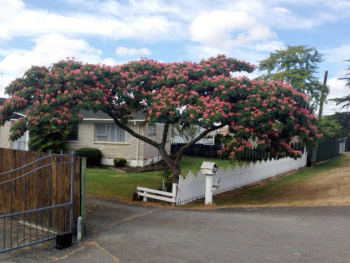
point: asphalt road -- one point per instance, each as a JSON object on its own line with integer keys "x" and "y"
{"x": 119, "y": 232}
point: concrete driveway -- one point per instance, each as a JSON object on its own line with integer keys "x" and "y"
{"x": 121, "y": 232}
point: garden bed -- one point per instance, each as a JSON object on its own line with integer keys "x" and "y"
{"x": 158, "y": 166}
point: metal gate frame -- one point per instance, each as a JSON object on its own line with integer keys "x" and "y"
{"x": 19, "y": 226}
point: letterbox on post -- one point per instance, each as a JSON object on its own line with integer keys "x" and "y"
{"x": 209, "y": 169}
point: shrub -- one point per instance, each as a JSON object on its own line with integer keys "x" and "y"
{"x": 120, "y": 162}
{"x": 173, "y": 156}
{"x": 93, "y": 155}
{"x": 167, "y": 176}
{"x": 219, "y": 139}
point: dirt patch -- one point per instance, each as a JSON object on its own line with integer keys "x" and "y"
{"x": 328, "y": 188}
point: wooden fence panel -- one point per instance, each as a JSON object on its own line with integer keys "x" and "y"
{"x": 41, "y": 187}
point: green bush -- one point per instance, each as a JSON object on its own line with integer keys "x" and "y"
{"x": 219, "y": 139}
{"x": 120, "y": 162}
{"x": 167, "y": 176}
{"x": 93, "y": 155}
{"x": 173, "y": 156}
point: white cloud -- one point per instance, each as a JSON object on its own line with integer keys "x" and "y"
{"x": 338, "y": 89}
{"x": 198, "y": 52}
{"x": 109, "y": 61}
{"x": 226, "y": 29}
{"x": 268, "y": 46}
{"x": 8, "y": 10}
{"x": 123, "y": 51}
{"x": 338, "y": 54}
{"x": 23, "y": 21}
{"x": 150, "y": 20}
{"x": 48, "y": 49}
{"x": 281, "y": 10}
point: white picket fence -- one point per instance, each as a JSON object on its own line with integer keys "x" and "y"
{"x": 192, "y": 188}
{"x": 157, "y": 194}
{"x": 341, "y": 147}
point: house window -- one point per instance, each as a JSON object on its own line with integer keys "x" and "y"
{"x": 218, "y": 130}
{"x": 21, "y": 143}
{"x": 73, "y": 135}
{"x": 151, "y": 129}
{"x": 110, "y": 132}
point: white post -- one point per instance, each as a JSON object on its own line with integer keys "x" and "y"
{"x": 208, "y": 189}
{"x": 79, "y": 229}
{"x": 26, "y": 134}
{"x": 173, "y": 190}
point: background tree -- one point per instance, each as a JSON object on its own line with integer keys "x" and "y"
{"x": 186, "y": 132}
{"x": 346, "y": 99}
{"x": 298, "y": 66}
{"x": 202, "y": 94}
{"x": 330, "y": 128}
{"x": 338, "y": 124}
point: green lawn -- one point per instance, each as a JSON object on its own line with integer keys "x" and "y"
{"x": 106, "y": 182}
{"x": 194, "y": 164}
{"x": 110, "y": 183}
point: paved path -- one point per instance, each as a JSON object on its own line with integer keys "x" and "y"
{"x": 134, "y": 233}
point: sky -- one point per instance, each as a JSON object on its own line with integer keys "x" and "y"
{"x": 36, "y": 32}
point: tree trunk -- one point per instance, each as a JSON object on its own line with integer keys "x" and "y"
{"x": 176, "y": 173}
{"x": 173, "y": 165}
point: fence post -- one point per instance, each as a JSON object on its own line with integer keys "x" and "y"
{"x": 83, "y": 195}
{"x": 72, "y": 192}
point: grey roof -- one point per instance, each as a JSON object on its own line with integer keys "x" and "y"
{"x": 101, "y": 115}
{"x": 94, "y": 115}
{"x": 87, "y": 114}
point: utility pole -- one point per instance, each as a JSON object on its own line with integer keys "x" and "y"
{"x": 322, "y": 100}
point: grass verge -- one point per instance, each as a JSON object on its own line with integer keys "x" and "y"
{"x": 120, "y": 185}
{"x": 326, "y": 184}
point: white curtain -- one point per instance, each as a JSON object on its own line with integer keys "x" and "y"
{"x": 19, "y": 144}
{"x": 109, "y": 132}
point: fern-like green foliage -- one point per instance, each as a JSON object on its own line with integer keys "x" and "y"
{"x": 346, "y": 99}
{"x": 50, "y": 139}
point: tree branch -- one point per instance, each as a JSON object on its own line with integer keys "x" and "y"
{"x": 129, "y": 130}
{"x": 201, "y": 136}
{"x": 165, "y": 131}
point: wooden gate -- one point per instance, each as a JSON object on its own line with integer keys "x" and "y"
{"x": 39, "y": 196}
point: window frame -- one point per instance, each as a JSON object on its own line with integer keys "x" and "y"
{"x": 105, "y": 133}
{"x": 151, "y": 130}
